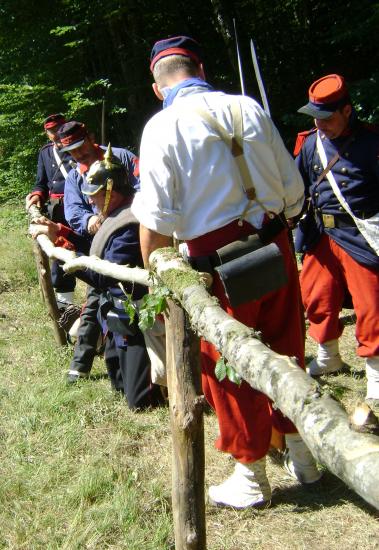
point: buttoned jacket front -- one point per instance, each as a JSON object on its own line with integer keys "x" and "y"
{"x": 357, "y": 175}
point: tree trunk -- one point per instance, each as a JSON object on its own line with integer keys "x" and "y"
{"x": 324, "y": 425}
{"x": 186, "y": 414}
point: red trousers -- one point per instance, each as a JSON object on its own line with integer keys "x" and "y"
{"x": 328, "y": 271}
{"x": 245, "y": 415}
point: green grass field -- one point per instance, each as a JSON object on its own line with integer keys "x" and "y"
{"x": 80, "y": 471}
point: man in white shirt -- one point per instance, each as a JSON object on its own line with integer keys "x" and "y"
{"x": 192, "y": 189}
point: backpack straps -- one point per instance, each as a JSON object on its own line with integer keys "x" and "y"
{"x": 235, "y": 145}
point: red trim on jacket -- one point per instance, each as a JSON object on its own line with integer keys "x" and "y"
{"x": 300, "y": 139}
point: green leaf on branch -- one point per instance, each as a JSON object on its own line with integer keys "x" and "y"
{"x": 223, "y": 370}
{"x": 60, "y": 31}
{"x": 152, "y": 305}
{"x": 220, "y": 369}
{"x": 130, "y": 307}
{"x": 233, "y": 375}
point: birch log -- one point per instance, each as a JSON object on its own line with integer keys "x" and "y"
{"x": 324, "y": 425}
{"x": 119, "y": 272}
{"x": 73, "y": 263}
{"x": 187, "y": 428}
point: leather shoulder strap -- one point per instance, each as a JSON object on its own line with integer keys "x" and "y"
{"x": 60, "y": 163}
{"x": 332, "y": 162}
{"x": 235, "y": 144}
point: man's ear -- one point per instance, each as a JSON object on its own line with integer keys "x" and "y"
{"x": 201, "y": 71}
{"x": 347, "y": 110}
{"x": 157, "y": 91}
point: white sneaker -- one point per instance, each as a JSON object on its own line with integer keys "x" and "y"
{"x": 328, "y": 359}
{"x": 299, "y": 462}
{"x": 75, "y": 375}
{"x": 64, "y": 298}
{"x": 247, "y": 486}
{"x": 372, "y": 376}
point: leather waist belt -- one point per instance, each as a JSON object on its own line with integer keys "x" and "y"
{"x": 340, "y": 221}
{"x": 266, "y": 234}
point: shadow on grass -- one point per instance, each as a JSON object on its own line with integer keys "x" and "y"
{"x": 349, "y": 319}
{"x": 347, "y": 369}
{"x": 329, "y": 492}
{"x": 97, "y": 376}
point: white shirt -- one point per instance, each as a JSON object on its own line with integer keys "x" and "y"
{"x": 190, "y": 184}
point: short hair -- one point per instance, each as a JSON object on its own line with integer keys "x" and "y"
{"x": 168, "y": 66}
{"x": 344, "y": 101}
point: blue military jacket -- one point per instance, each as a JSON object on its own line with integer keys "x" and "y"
{"x": 77, "y": 209}
{"x": 122, "y": 247}
{"x": 50, "y": 179}
{"x": 357, "y": 175}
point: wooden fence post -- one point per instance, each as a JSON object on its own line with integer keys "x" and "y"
{"x": 187, "y": 427}
{"x": 44, "y": 276}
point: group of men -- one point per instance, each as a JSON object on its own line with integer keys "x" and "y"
{"x": 214, "y": 171}
{"x": 86, "y": 226}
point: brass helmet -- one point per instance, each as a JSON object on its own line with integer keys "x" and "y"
{"x": 107, "y": 174}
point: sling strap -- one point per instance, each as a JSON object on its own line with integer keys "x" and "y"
{"x": 369, "y": 228}
{"x": 333, "y": 161}
{"x": 60, "y": 163}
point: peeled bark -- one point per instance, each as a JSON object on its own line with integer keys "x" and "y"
{"x": 73, "y": 263}
{"x": 324, "y": 425}
{"x": 119, "y": 272}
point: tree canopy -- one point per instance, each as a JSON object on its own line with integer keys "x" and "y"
{"x": 72, "y": 56}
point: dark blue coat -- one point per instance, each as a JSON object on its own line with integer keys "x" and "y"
{"x": 50, "y": 179}
{"x": 123, "y": 248}
{"x": 77, "y": 209}
{"x": 357, "y": 175}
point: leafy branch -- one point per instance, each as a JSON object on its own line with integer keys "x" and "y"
{"x": 150, "y": 306}
{"x": 223, "y": 369}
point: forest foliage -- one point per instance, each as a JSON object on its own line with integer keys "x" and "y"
{"x": 72, "y": 56}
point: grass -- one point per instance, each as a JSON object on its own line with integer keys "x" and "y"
{"x": 80, "y": 471}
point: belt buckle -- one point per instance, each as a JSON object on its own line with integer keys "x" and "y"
{"x": 328, "y": 221}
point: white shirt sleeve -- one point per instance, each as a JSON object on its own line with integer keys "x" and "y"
{"x": 154, "y": 205}
{"x": 285, "y": 166}
{"x": 291, "y": 178}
